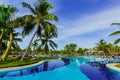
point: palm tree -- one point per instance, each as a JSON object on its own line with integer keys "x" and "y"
{"x": 117, "y": 49}
{"x": 46, "y": 40}
{"x": 116, "y": 33}
{"x": 70, "y": 48}
{"x": 39, "y": 19}
{"x": 103, "y": 46}
{"x": 35, "y": 45}
{"x": 81, "y": 51}
{"x": 67, "y": 49}
{"x": 9, "y": 28}
{"x": 6, "y": 12}
{"x": 15, "y": 39}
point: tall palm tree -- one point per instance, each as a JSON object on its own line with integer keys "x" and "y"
{"x": 9, "y": 28}
{"x": 116, "y": 33}
{"x": 6, "y": 12}
{"x": 39, "y": 19}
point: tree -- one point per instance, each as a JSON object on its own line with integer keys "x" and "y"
{"x": 9, "y": 28}
{"x": 35, "y": 45}
{"x": 39, "y": 19}
{"x": 46, "y": 40}
{"x": 6, "y": 37}
{"x": 6, "y": 12}
{"x": 103, "y": 46}
{"x": 116, "y": 33}
{"x": 117, "y": 49}
{"x": 81, "y": 51}
{"x": 16, "y": 39}
{"x": 70, "y": 48}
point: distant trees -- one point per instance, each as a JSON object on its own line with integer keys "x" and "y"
{"x": 103, "y": 46}
{"x": 81, "y": 51}
{"x": 70, "y": 48}
{"x": 108, "y": 48}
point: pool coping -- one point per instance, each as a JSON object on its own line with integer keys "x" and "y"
{"x": 23, "y": 67}
{"x": 113, "y": 67}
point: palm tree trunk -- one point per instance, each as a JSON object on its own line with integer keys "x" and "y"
{"x": 5, "y": 54}
{"x": 28, "y": 45}
{"x": 1, "y": 38}
{"x": 1, "y": 41}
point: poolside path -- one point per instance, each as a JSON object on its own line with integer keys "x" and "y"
{"x": 112, "y": 66}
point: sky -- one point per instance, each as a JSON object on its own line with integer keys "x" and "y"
{"x": 83, "y": 22}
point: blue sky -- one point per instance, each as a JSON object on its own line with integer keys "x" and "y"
{"x": 83, "y": 22}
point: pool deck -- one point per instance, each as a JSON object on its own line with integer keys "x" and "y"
{"x": 113, "y": 67}
{"x": 20, "y": 67}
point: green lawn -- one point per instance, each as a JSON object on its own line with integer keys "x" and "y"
{"x": 13, "y": 62}
{"x": 118, "y": 65}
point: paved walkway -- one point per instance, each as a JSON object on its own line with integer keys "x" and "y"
{"x": 112, "y": 66}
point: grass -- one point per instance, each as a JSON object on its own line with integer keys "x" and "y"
{"x": 118, "y": 65}
{"x": 14, "y": 62}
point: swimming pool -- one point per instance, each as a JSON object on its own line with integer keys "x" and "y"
{"x": 66, "y": 69}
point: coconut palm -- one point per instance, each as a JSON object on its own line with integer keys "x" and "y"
{"x": 46, "y": 40}
{"x": 117, "y": 49}
{"x": 39, "y": 19}
{"x": 9, "y": 28}
{"x": 116, "y": 33}
{"x": 15, "y": 39}
{"x": 67, "y": 49}
{"x": 81, "y": 51}
{"x": 103, "y": 46}
{"x": 35, "y": 45}
{"x": 6, "y": 12}
{"x": 70, "y": 48}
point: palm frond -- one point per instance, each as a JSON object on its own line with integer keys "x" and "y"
{"x": 115, "y": 33}
{"x": 18, "y": 39}
{"x": 115, "y": 24}
{"x": 117, "y": 41}
{"x": 28, "y": 28}
{"x": 49, "y": 28}
{"x": 21, "y": 21}
{"x": 51, "y": 17}
{"x": 29, "y": 7}
{"x": 42, "y": 42}
{"x": 53, "y": 44}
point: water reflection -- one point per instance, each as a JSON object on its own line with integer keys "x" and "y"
{"x": 98, "y": 71}
{"x": 46, "y": 66}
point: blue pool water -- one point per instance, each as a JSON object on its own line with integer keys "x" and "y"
{"x": 65, "y": 69}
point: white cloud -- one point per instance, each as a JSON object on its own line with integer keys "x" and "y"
{"x": 89, "y": 23}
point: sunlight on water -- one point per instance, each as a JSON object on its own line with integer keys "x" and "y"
{"x": 65, "y": 69}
